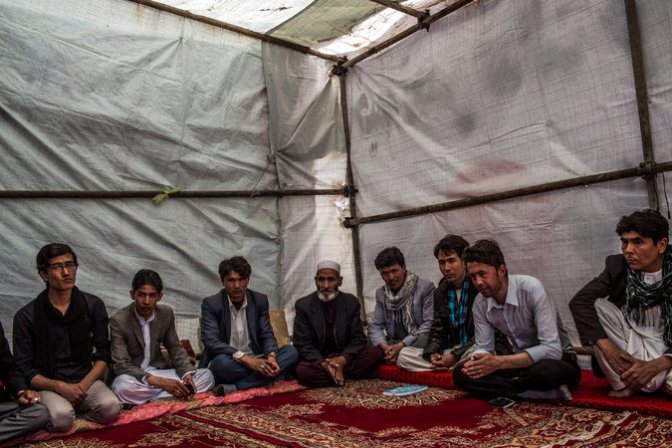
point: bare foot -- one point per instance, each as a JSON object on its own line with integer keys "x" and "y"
{"x": 623, "y": 393}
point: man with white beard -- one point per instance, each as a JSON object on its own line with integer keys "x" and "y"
{"x": 329, "y": 335}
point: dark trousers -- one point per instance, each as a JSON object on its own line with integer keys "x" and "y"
{"x": 229, "y": 371}
{"x": 361, "y": 365}
{"x": 547, "y": 374}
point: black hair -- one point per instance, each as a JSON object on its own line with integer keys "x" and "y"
{"x": 388, "y": 257}
{"x": 147, "y": 277}
{"x": 486, "y": 252}
{"x": 50, "y": 251}
{"x": 648, "y": 223}
{"x": 235, "y": 264}
{"x": 451, "y": 243}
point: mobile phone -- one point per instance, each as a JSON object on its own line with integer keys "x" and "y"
{"x": 502, "y": 402}
{"x": 191, "y": 388}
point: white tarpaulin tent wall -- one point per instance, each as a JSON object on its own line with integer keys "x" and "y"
{"x": 500, "y": 95}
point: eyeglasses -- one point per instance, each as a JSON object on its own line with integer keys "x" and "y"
{"x": 60, "y": 267}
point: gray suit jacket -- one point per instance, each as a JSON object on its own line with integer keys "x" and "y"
{"x": 128, "y": 345}
{"x": 382, "y": 322}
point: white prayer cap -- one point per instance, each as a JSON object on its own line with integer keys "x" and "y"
{"x": 328, "y": 264}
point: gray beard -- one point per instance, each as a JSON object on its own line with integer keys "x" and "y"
{"x": 327, "y": 296}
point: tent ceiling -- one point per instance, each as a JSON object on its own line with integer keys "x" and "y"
{"x": 331, "y": 27}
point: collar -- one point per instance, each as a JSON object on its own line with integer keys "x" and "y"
{"x": 511, "y": 297}
{"x": 141, "y": 319}
{"x": 233, "y": 308}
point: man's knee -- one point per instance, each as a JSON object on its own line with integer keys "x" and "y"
{"x": 410, "y": 357}
{"x": 204, "y": 380}
{"x": 460, "y": 379}
{"x": 370, "y": 356}
{"x": 108, "y": 409}
{"x": 103, "y": 406}
{"x": 609, "y": 314}
{"x": 123, "y": 386}
{"x": 288, "y": 355}
{"x": 226, "y": 370}
{"x": 307, "y": 374}
{"x": 62, "y": 419}
{"x": 36, "y": 415}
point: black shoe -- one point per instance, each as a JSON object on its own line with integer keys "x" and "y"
{"x": 224, "y": 389}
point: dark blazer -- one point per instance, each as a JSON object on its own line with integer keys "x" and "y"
{"x": 610, "y": 283}
{"x": 128, "y": 345}
{"x": 216, "y": 326}
{"x": 443, "y": 335}
{"x": 310, "y": 327}
{"x": 11, "y": 376}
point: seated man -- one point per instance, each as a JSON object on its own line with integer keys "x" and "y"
{"x": 544, "y": 363}
{"x": 403, "y": 312}
{"x": 137, "y": 332}
{"x": 26, "y": 414}
{"x": 329, "y": 335}
{"x": 452, "y": 330}
{"x": 240, "y": 347}
{"x": 61, "y": 344}
{"x": 626, "y": 312}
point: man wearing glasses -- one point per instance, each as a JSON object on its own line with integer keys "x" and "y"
{"x": 54, "y": 340}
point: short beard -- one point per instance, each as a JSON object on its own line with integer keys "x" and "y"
{"x": 326, "y": 296}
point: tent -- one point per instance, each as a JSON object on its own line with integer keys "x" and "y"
{"x": 299, "y": 130}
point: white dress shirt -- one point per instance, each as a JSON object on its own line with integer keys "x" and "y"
{"x": 528, "y": 318}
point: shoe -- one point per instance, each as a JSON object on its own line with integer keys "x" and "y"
{"x": 224, "y": 389}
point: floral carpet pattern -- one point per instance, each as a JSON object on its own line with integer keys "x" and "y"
{"x": 359, "y": 415}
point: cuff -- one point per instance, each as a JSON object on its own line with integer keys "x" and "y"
{"x": 191, "y": 372}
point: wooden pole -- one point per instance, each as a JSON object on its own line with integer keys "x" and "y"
{"x": 643, "y": 171}
{"x": 351, "y": 192}
{"x": 184, "y": 194}
{"x": 401, "y": 8}
{"x": 636, "y": 53}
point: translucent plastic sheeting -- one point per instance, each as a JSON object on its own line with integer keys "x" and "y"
{"x": 381, "y": 25}
{"x": 325, "y": 20}
{"x": 335, "y": 27}
{"x": 255, "y": 15}
{"x": 307, "y": 140}
{"x": 560, "y": 237}
{"x": 110, "y": 95}
{"x": 655, "y": 18}
{"x": 306, "y": 120}
{"x": 183, "y": 240}
{"x": 498, "y": 95}
{"x": 312, "y": 231}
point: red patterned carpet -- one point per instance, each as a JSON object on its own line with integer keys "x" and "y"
{"x": 590, "y": 393}
{"x": 359, "y": 415}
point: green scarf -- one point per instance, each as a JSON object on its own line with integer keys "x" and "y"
{"x": 640, "y": 296}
